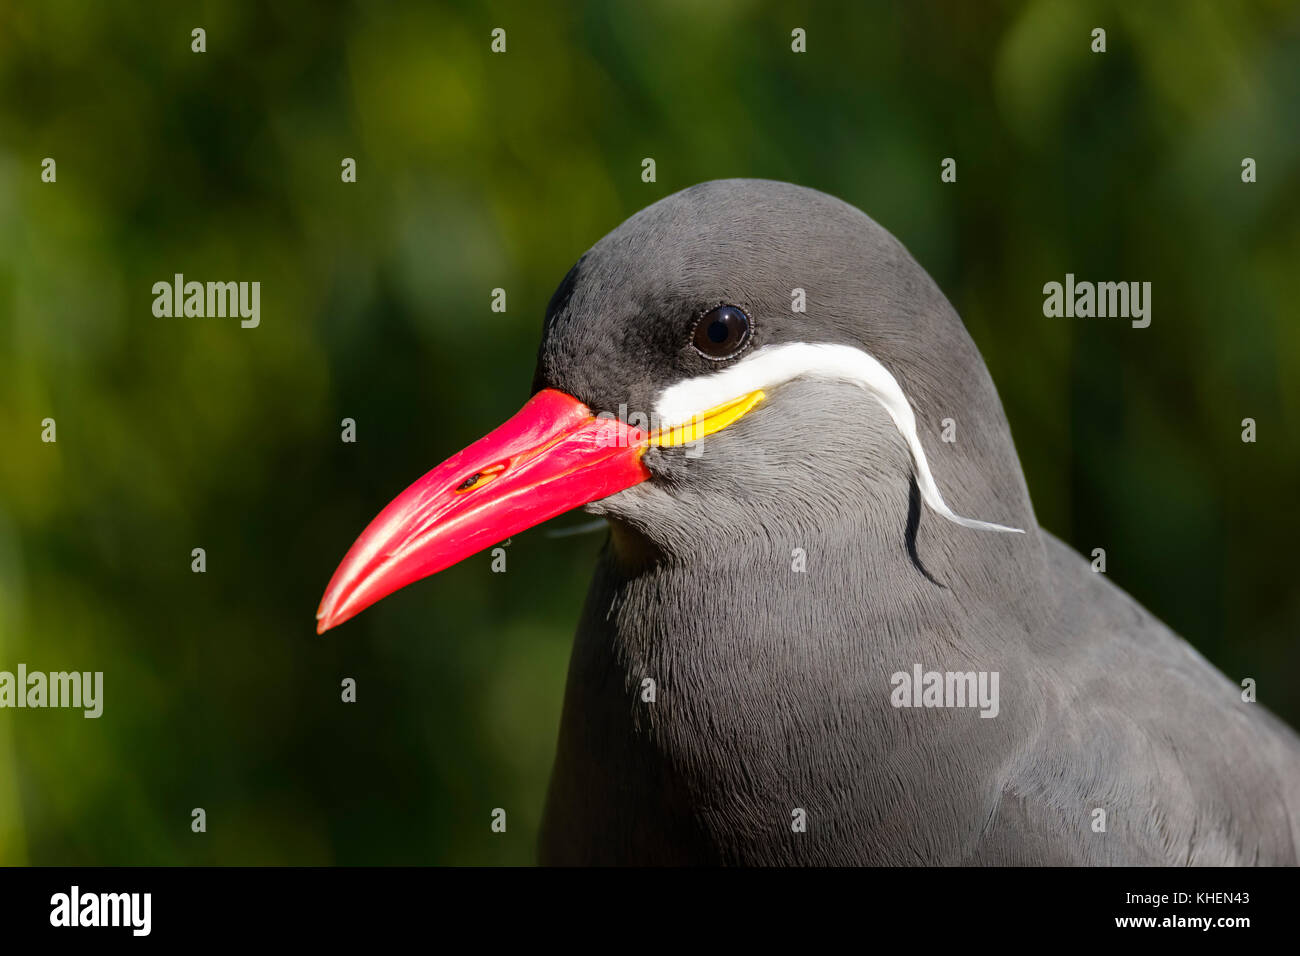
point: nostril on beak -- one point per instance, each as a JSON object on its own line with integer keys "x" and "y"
{"x": 469, "y": 482}
{"x": 479, "y": 478}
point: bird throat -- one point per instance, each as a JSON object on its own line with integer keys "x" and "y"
{"x": 698, "y": 683}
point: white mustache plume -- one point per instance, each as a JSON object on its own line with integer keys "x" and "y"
{"x": 777, "y": 364}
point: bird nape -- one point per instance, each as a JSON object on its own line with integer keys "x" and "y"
{"x": 843, "y": 667}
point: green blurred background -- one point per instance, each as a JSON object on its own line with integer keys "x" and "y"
{"x": 478, "y": 171}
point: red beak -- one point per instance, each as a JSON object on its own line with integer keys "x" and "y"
{"x": 552, "y": 456}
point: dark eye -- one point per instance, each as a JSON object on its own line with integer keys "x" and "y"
{"x": 721, "y": 332}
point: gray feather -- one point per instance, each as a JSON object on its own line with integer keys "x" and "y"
{"x": 773, "y": 685}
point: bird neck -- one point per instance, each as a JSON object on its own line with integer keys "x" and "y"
{"x": 751, "y": 680}
{"x": 850, "y": 598}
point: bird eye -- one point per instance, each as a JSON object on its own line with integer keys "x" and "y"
{"x": 721, "y": 332}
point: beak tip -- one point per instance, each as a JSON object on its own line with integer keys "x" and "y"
{"x": 332, "y": 613}
{"x": 326, "y": 618}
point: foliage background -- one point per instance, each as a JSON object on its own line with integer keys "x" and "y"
{"x": 477, "y": 171}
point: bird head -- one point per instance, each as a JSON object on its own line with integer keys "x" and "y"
{"x": 740, "y": 357}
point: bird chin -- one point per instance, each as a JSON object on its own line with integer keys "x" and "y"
{"x": 630, "y": 516}
{"x": 633, "y": 551}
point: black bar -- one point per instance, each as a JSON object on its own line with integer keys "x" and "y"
{"x": 267, "y": 905}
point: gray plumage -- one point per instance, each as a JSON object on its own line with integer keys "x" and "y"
{"x": 773, "y": 686}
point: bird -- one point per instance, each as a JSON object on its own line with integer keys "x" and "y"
{"x": 793, "y": 552}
